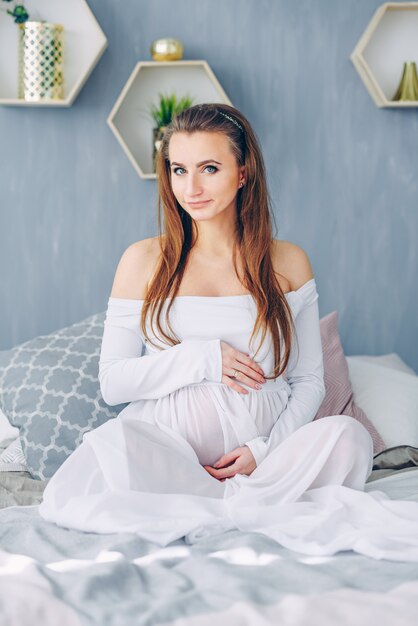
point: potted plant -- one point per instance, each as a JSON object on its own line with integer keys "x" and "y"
{"x": 168, "y": 107}
{"x": 40, "y": 56}
{"x": 19, "y": 12}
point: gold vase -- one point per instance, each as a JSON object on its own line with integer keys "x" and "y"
{"x": 167, "y": 49}
{"x": 408, "y": 87}
{"x": 41, "y": 61}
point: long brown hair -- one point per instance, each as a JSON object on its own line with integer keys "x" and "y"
{"x": 253, "y": 232}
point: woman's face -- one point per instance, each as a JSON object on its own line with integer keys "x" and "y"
{"x": 205, "y": 175}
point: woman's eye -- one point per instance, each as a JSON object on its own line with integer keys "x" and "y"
{"x": 215, "y": 169}
{"x": 212, "y": 167}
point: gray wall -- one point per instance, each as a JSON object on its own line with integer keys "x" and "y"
{"x": 342, "y": 173}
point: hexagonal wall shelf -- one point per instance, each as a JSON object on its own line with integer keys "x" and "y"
{"x": 84, "y": 44}
{"x": 130, "y": 118}
{"x": 390, "y": 39}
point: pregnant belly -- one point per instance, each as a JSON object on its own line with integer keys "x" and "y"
{"x": 213, "y": 419}
{"x": 194, "y": 413}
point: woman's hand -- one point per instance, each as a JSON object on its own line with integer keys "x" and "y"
{"x": 239, "y": 366}
{"x": 238, "y": 461}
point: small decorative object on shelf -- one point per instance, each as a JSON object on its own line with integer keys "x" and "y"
{"x": 130, "y": 119}
{"x": 77, "y": 49}
{"x": 41, "y": 61}
{"x": 390, "y": 38}
{"x": 162, "y": 114}
{"x": 40, "y": 68}
{"x": 408, "y": 87}
{"x": 168, "y": 49}
{"x": 19, "y": 12}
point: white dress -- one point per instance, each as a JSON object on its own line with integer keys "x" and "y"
{"x": 142, "y": 472}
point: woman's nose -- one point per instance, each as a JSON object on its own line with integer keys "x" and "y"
{"x": 193, "y": 186}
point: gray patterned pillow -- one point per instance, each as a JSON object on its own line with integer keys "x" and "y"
{"x": 49, "y": 389}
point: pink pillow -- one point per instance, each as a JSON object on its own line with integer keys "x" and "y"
{"x": 339, "y": 398}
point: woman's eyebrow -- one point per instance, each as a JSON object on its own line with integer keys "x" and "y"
{"x": 197, "y": 164}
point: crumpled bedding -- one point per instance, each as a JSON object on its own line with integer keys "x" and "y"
{"x": 71, "y": 577}
{"x": 19, "y": 488}
{"x": 394, "y": 460}
{"x": 236, "y": 578}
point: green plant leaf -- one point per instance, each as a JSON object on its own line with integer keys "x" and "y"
{"x": 169, "y": 106}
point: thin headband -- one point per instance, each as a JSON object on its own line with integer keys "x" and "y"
{"x": 231, "y": 119}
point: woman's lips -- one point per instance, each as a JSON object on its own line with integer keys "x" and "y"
{"x": 195, "y": 205}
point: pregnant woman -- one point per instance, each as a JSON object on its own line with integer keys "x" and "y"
{"x": 212, "y": 337}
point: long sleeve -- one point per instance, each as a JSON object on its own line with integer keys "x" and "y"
{"x": 305, "y": 376}
{"x": 127, "y": 374}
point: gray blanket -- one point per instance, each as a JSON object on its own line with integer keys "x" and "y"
{"x": 235, "y": 578}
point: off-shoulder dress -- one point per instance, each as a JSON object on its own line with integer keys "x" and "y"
{"x": 142, "y": 472}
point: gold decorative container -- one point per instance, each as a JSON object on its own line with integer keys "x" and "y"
{"x": 41, "y": 61}
{"x": 408, "y": 87}
{"x": 167, "y": 49}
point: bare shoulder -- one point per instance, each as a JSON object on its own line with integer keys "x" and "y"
{"x": 292, "y": 263}
{"x": 135, "y": 269}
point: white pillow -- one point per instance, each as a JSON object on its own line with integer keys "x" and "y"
{"x": 388, "y": 395}
{"x": 7, "y": 431}
{"x": 392, "y": 360}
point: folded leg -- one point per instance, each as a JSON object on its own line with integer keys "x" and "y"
{"x": 131, "y": 476}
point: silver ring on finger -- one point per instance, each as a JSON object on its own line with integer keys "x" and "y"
{"x": 235, "y": 373}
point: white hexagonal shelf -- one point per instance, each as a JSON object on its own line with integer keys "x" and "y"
{"x": 84, "y": 44}
{"x": 130, "y": 118}
{"x": 390, "y": 39}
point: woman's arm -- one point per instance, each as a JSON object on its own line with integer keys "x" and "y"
{"x": 305, "y": 372}
{"x": 125, "y": 373}
{"x": 305, "y": 376}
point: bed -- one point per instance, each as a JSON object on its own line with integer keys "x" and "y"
{"x": 52, "y": 575}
